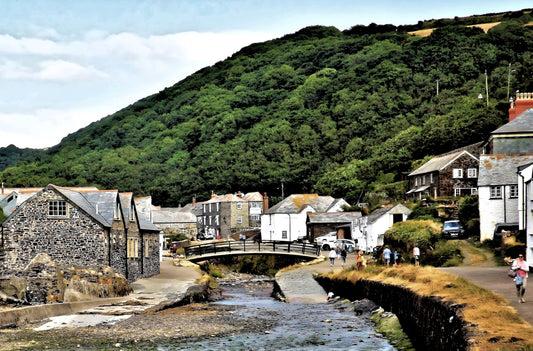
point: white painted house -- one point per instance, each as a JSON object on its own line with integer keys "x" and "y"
{"x": 286, "y": 221}
{"x": 507, "y": 148}
{"x": 371, "y": 229}
{"x": 525, "y": 206}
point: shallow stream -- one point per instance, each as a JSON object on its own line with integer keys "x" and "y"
{"x": 289, "y": 326}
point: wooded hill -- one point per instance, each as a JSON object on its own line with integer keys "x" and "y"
{"x": 327, "y": 111}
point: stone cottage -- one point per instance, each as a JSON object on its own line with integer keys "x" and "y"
{"x": 447, "y": 175}
{"x": 86, "y": 228}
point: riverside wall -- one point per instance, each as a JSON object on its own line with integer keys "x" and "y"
{"x": 430, "y": 322}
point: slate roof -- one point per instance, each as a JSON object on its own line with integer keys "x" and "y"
{"x": 104, "y": 202}
{"x": 173, "y": 215}
{"x": 255, "y": 196}
{"x": 523, "y": 123}
{"x": 376, "y": 214}
{"x": 297, "y": 202}
{"x": 82, "y": 202}
{"x": 333, "y": 217}
{"x": 500, "y": 169}
{"x": 438, "y": 163}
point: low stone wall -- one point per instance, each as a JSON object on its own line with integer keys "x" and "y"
{"x": 430, "y": 322}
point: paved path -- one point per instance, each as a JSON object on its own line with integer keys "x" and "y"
{"x": 299, "y": 286}
{"x": 496, "y": 279}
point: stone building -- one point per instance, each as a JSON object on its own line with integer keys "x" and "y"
{"x": 224, "y": 215}
{"x": 448, "y": 175}
{"x": 85, "y": 228}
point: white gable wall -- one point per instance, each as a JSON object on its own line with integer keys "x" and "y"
{"x": 525, "y": 208}
{"x": 284, "y": 226}
{"x": 493, "y": 211}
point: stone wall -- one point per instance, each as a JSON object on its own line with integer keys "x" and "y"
{"x": 75, "y": 239}
{"x": 432, "y": 324}
{"x": 150, "y": 262}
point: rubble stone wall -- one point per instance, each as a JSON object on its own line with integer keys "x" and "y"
{"x": 75, "y": 239}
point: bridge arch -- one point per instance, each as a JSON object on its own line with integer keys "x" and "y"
{"x": 217, "y": 249}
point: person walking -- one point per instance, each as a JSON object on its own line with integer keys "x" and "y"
{"x": 521, "y": 267}
{"x": 344, "y": 253}
{"x": 386, "y": 256}
{"x": 416, "y": 255}
{"x": 332, "y": 257}
{"x": 360, "y": 260}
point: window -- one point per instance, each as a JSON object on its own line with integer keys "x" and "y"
{"x": 133, "y": 247}
{"x": 472, "y": 173}
{"x": 424, "y": 179}
{"x": 473, "y": 191}
{"x": 458, "y": 173}
{"x": 183, "y": 230}
{"x": 416, "y": 181}
{"x": 239, "y": 220}
{"x": 57, "y": 208}
{"x": 146, "y": 248}
{"x": 239, "y": 205}
{"x": 513, "y": 191}
{"x": 255, "y": 217}
{"x": 457, "y": 192}
{"x": 495, "y": 192}
{"x": 284, "y": 234}
{"x": 431, "y": 178}
{"x": 217, "y": 220}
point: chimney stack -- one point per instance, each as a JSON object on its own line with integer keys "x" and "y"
{"x": 194, "y": 201}
{"x": 521, "y": 103}
{"x": 265, "y": 202}
{"x": 213, "y": 195}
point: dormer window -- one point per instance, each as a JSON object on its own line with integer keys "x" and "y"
{"x": 57, "y": 208}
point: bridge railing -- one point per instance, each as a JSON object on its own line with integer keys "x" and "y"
{"x": 249, "y": 246}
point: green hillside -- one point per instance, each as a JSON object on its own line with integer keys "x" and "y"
{"x": 324, "y": 110}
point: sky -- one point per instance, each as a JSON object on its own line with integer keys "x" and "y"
{"x": 65, "y": 64}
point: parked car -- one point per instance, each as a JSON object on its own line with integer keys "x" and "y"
{"x": 204, "y": 236}
{"x": 452, "y": 229}
{"x": 302, "y": 239}
{"x": 326, "y": 238}
{"x": 348, "y": 244}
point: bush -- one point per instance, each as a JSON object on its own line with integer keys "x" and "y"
{"x": 403, "y": 236}
{"x": 424, "y": 212}
{"x": 446, "y": 254}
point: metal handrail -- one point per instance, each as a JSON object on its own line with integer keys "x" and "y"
{"x": 244, "y": 246}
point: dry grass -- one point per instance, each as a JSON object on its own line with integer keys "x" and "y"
{"x": 426, "y": 32}
{"x": 495, "y": 324}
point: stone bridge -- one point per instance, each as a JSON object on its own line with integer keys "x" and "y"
{"x": 203, "y": 252}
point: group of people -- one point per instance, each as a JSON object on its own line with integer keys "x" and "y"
{"x": 397, "y": 258}
{"x": 360, "y": 260}
{"x": 338, "y": 252}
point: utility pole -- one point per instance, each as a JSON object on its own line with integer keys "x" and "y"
{"x": 487, "y": 87}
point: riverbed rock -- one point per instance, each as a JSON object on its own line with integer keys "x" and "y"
{"x": 45, "y": 282}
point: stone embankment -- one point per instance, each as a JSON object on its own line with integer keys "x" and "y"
{"x": 429, "y": 322}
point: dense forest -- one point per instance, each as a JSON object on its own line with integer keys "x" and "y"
{"x": 343, "y": 113}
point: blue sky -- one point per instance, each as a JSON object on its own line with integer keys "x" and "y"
{"x": 65, "y": 64}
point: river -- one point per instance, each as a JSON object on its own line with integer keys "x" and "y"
{"x": 289, "y": 326}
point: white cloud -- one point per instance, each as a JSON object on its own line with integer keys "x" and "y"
{"x": 43, "y": 128}
{"x": 100, "y": 71}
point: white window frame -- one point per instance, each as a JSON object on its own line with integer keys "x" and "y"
{"x": 239, "y": 205}
{"x": 239, "y": 219}
{"x": 513, "y": 191}
{"x": 457, "y": 173}
{"x": 133, "y": 247}
{"x": 496, "y": 192}
{"x": 457, "y": 192}
{"x": 424, "y": 179}
{"x": 431, "y": 178}
{"x": 284, "y": 234}
{"x": 57, "y": 208}
{"x": 473, "y": 191}
{"x": 472, "y": 173}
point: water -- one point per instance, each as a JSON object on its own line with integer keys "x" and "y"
{"x": 290, "y": 326}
